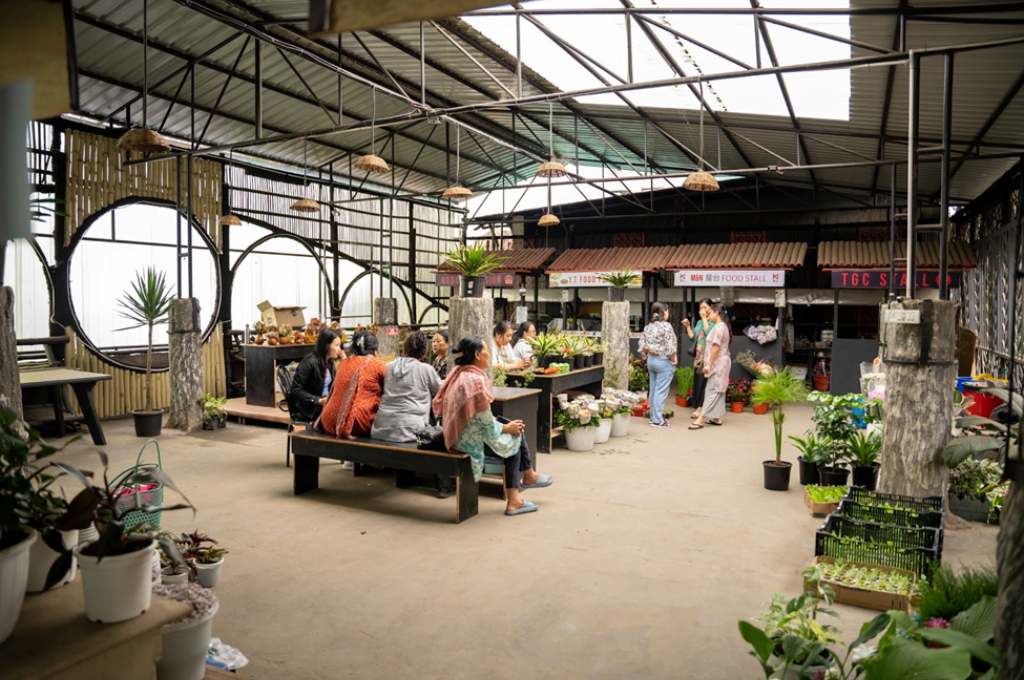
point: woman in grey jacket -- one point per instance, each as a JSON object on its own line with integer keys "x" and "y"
{"x": 409, "y": 386}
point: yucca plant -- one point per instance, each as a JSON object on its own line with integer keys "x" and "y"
{"x": 618, "y": 279}
{"x": 473, "y": 261}
{"x": 146, "y": 304}
{"x": 776, "y": 389}
{"x": 545, "y": 344}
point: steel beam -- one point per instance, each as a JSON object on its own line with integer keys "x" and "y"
{"x": 827, "y": 36}
{"x": 985, "y": 8}
{"x": 223, "y": 89}
{"x": 913, "y": 119}
{"x": 947, "y": 123}
{"x": 1008, "y": 97}
{"x": 883, "y": 127}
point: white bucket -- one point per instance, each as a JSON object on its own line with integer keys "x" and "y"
{"x": 207, "y": 575}
{"x": 13, "y": 577}
{"x": 580, "y": 439}
{"x": 118, "y": 587}
{"x": 183, "y": 648}
{"x": 42, "y": 558}
{"x": 603, "y": 431}
{"x": 620, "y": 424}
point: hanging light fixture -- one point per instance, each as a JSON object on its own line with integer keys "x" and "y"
{"x": 457, "y": 192}
{"x": 229, "y": 219}
{"x": 701, "y": 180}
{"x": 304, "y": 204}
{"x": 142, "y": 139}
{"x": 548, "y": 220}
{"x": 371, "y": 162}
{"x": 552, "y": 167}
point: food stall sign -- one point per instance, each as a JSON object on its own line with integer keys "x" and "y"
{"x": 739, "y": 278}
{"x": 589, "y": 279}
{"x": 873, "y": 278}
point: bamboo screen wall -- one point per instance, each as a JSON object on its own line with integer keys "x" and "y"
{"x": 95, "y": 181}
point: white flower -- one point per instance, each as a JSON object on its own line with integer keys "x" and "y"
{"x": 584, "y": 416}
{"x": 862, "y": 651}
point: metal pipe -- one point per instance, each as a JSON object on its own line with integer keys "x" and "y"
{"x": 629, "y": 47}
{"x": 947, "y": 117}
{"x": 423, "y": 68}
{"x": 145, "y": 63}
{"x": 989, "y": 8}
{"x": 258, "y": 95}
{"x": 892, "y": 231}
{"x": 913, "y": 119}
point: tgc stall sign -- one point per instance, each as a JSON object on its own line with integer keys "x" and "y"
{"x": 744, "y": 278}
{"x": 870, "y": 278}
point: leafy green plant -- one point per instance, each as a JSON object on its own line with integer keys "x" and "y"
{"x": 474, "y": 260}
{"x": 981, "y": 480}
{"x": 214, "y": 407}
{"x": 811, "y": 449}
{"x": 639, "y": 380}
{"x": 834, "y": 423}
{"x": 146, "y": 304}
{"x": 949, "y": 592}
{"x": 864, "y": 448}
{"x": 867, "y": 577}
{"x": 499, "y": 378}
{"x": 619, "y": 279}
{"x": 198, "y": 547}
{"x": 776, "y": 389}
{"x": 826, "y": 494}
{"x": 684, "y": 380}
{"x": 545, "y": 344}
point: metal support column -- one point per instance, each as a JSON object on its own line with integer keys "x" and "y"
{"x": 414, "y": 317}
{"x": 947, "y": 117}
{"x": 913, "y": 119}
{"x": 892, "y": 231}
{"x": 258, "y": 95}
{"x": 335, "y": 268}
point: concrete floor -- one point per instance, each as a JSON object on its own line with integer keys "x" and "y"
{"x": 641, "y": 559}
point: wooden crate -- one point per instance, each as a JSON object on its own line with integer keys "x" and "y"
{"x": 819, "y": 509}
{"x": 867, "y": 599}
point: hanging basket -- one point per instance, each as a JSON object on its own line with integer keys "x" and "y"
{"x": 456, "y": 192}
{"x": 131, "y": 493}
{"x": 306, "y": 205}
{"x": 230, "y": 220}
{"x": 548, "y": 220}
{"x": 551, "y": 168}
{"x": 700, "y": 181}
{"x": 143, "y": 140}
{"x": 373, "y": 164}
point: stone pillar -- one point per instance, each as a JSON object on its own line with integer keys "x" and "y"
{"x": 385, "y": 315}
{"x": 10, "y": 383}
{"x": 615, "y": 334}
{"x": 469, "y": 317}
{"x": 186, "y": 365}
{"x": 919, "y": 355}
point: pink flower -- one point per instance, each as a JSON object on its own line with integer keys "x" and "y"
{"x": 936, "y": 622}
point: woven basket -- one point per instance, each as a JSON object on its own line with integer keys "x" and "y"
{"x": 143, "y": 140}
{"x": 372, "y": 164}
{"x": 548, "y": 220}
{"x": 134, "y": 494}
{"x": 551, "y": 168}
{"x": 457, "y": 192}
{"x": 700, "y": 181}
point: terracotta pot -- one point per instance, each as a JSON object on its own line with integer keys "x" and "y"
{"x": 761, "y": 409}
{"x": 736, "y": 407}
{"x": 682, "y": 401}
{"x": 821, "y": 383}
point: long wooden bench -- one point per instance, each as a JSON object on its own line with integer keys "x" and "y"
{"x": 309, "y": 446}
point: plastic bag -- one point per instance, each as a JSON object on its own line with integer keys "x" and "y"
{"x": 762, "y": 334}
{"x": 225, "y": 657}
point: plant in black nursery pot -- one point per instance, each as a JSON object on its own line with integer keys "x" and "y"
{"x": 776, "y": 389}
{"x": 812, "y": 452}
{"x": 146, "y": 305}
{"x": 864, "y": 448}
{"x": 833, "y": 424}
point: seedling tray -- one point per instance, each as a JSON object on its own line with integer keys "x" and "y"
{"x": 818, "y": 509}
{"x": 864, "y": 597}
{"x": 875, "y": 498}
{"x": 893, "y": 515}
{"x": 912, "y": 548}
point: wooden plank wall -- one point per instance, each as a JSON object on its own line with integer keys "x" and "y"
{"x": 95, "y": 180}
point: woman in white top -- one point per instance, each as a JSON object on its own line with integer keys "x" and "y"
{"x": 504, "y": 355}
{"x": 521, "y": 340}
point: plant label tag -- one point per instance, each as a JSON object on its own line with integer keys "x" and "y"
{"x": 910, "y": 316}
{"x": 392, "y": 331}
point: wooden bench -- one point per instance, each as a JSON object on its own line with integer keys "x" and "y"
{"x": 309, "y": 446}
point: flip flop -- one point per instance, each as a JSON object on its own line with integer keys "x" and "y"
{"x": 695, "y": 426}
{"x": 526, "y": 507}
{"x": 715, "y": 422}
{"x": 545, "y": 480}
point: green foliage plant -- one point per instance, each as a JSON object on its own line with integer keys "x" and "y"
{"x": 864, "y": 448}
{"x": 545, "y": 344}
{"x": 949, "y": 592}
{"x": 214, "y": 407}
{"x": 621, "y": 279}
{"x": 833, "y": 423}
{"x": 826, "y": 494}
{"x": 684, "y": 380}
{"x": 146, "y": 304}
{"x": 812, "y": 449}
{"x": 474, "y": 260}
{"x": 775, "y": 390}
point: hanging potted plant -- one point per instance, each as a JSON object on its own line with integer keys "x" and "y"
{"x": 618, "y": 283}
{"x": 811, "y": 454}
{"x": 579, "y": 421}
{"x": 215, "y": 414}
{"x": 205, "y": 555}
{"x": 146, "y": 304}
{"x": 864, "y": 448}
{"x": 474, "y": 263}
{"x": 776, "y": 390}
{"x": 184, "y": 643}
{"x": 684, "y": 385}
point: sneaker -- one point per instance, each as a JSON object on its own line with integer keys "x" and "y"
{"x": 661, "y": 426}
{"x": 348, "y": 465}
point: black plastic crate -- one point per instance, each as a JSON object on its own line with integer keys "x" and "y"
{"x": 916, "y": 549}
{"x": 874, "y": 498}
{"x": 900, "y": 516}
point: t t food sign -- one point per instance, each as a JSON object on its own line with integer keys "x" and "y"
{"x": 589, "y": 279}
{"x": 740, "y": 278}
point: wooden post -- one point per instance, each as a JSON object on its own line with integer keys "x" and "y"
{"x": 919, "y": 355}
{"x": 615, "y": 333}
{"x": 10, "y": 383}
{"x": 186, "y": 365}
{"x": 468, "y": 317}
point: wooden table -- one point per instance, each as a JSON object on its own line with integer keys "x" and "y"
{"x": 53, "y": 379}
{"x": 261, "y": 370}
{"x": 54, "y": 641}
{"x": 518, "y": 403}
{"x": 585, "y": 379}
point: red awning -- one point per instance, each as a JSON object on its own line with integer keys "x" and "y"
{"x": 875, "y": 255}
{"x": 612, "y": 259}
{"x": 520, "y": 261}
{"x": 738, "y": 256}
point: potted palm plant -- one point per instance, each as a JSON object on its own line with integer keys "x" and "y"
{"x": 776, "y": 389}
{"x": 474, "y": 263}
{"x": 146, "y": 304}
{"x": 619, "y": 282}
{"x": 863, "y": 448}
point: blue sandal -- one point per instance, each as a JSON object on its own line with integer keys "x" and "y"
{"x": 526, "y": 507}
{"x": 545, "y": 480}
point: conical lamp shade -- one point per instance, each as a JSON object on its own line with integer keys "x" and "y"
{"x": 457, "y": 192}
{"x": 372, "y": 164}
{"x": 230, "y": 220}
{"x": 551, "y": 168}
{"x": 143, "y": 140}
{"x": 306, "y": 205}
{"x": 548, "y": 220}
{"x": 700, "y": 181}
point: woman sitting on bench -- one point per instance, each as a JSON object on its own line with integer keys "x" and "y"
{"x": 355, "y": 394}
{"x": 409, "y": 386}
{"x": 464, "y": 406}
{"x": 311, "y": 383}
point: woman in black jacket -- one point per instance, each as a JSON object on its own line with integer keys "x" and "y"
{"x": 311, "y": 383}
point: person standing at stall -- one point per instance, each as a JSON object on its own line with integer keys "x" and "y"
{"x": 659, "y": 345}
{"x": 717, "y": 364}
{"x": 698, "y": 334}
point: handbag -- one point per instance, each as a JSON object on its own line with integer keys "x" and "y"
{"x": 431, "y": 438}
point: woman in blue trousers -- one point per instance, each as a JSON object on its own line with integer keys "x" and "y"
{"x": 659, "y": 345}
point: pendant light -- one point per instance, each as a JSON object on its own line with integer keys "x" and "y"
{"x": 701, "y": 180}
{"x": 457, "y": 192}
{"x": 142, "y": 139}
{"x": 307, "y": 205}
{"x": 229, "y": 219}
{"x": 548, "y": 219}
{"x": 371, "y": 162}
{"x": 552, "y": 167}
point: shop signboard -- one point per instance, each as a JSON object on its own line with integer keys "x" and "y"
{"x": 588, "y": 279}
{"x": 493, "y": 280}
{"x": 873, "y": 278}
{"x": 739, "y": 278}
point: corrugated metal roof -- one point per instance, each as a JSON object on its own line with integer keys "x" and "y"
{"x": 738, "y": 255}
{"x": 875, "y": 254}
{"x": 520, "y": 261}
{"x": 613, "y": 259}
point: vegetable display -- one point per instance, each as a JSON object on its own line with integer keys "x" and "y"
{"x": 826, "y": 494}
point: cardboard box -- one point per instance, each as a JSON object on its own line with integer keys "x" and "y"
{"x": 279, "y": 316}
{"x": 819, "y": 509}
{"x": 868, "y": 599}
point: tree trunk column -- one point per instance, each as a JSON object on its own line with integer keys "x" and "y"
{"x": 615, "y": 334}
{"x": 1010, "y": 563}
{"x": 385, "y": 315}
{"x": 10, "y": 382}
{"x": 469, "y": 317}
{"x": 919, "y": 355}
{"x": 186, "y": 365}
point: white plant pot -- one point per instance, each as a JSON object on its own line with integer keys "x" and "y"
{"x": 13, "y": 577}
{"x": 603, "y": 431}
{"x": 620, "y": 424}
{"x": 118, "y": 587}
{"x": 580, "y": 439}
{"x": 174, "y": 579}
{"x": 42, "y": 558}
{"x": 207, "y": 575}
{"x": 88, "y": 535}
{"x": 183, "y": 648}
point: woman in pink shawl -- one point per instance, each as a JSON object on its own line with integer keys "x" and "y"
{"x": 464, "y": 406}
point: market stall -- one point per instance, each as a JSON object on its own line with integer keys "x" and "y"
{"x": 517, "y": 267}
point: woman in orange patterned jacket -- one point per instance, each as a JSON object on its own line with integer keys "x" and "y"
{"x": 356, "y": 391}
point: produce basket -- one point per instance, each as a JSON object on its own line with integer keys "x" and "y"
{"x": 137, "y": 494}
{"x": 914, "y": 549}
{"x": 874, "y": 498}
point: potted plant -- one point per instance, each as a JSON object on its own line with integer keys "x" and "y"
{"x": 599, "y": 348}
{"x": 777, "y": 389}
{"x": 606, "y": 412}
{"x": 146, "y": 304}
{"x": 864, "y": 448}
{"x": 619, "y": 282}
{"x": 474, "y": 263}
{"x": 215, "y": 414}
{"x": 205, "y": 555}
{"x": 184, "y": 643}
{"x": 587, "y": 351}
{"x": 812, "y": 452}
{"x": 977, "y": 490}
{"x": 684, "y": 385}
{"x": 833, "y": 424}
{"x": 621, "y": 403}
{"x": 579, "y": 421}
{"x": 738, "y": 393}
{"x": 545, "y": 348}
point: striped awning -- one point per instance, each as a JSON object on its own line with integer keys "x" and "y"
{"x": 738, "y": 256}
{"x": 646, "y": 259}
{"x": 875, "y": 254}
{"x": 519, "y": 261}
